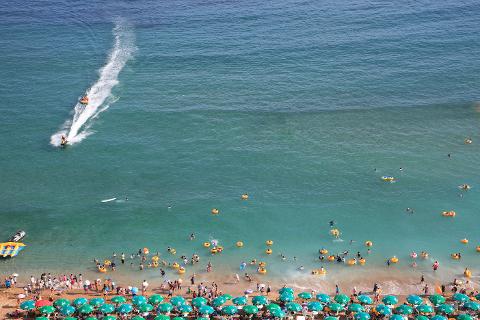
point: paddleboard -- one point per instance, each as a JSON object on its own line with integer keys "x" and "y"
{"x": 108, "y": 200}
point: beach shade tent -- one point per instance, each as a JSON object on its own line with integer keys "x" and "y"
{"x": 397, "y": 317}
{"x": 436, "y": 299}
{"x": 27, "y": 305}
{"x": 362, "y": 316}
{"x": 364, "y": 299}
{"x": 305, "y": 295}
{"x": 259, "y": 300}
{"x": 97, "y": 302}
{"x": 201, "y": 301}
{"x": 335, "y": 307}
{"x": 109, "y": 318}
{"x": 438, "y": 317}
{"x": 42, "y": 303}
{"x": 424, "y": 308}
{"x": 415, "y": 300}
{"x": 46, "y": 309}
{"x": 277, "y": 313}
{"x": 162, "y": 317}
{"x": 139, "y": 300}
{"x": 355, "y": 307}
{"x": 125, "y": 308}
{"x": 59, "y": 303}
{"x": 342, "y": 299}
{"x": 155, "y": 299}
{"x": 445, "y": 308}
{"x": 227, "y": 296}
{"x": 79, "y": 302}
{"x": 239, "y": 301}
{"x": 460, "y": 297}
{"x": 404, "y": 309}
{"x": 464, "y": 316}
{"x": 138, "y": 318}
{"x": 323, "y": 298}
{"x": 67, "y": 310}
{"x": 286, "y": 297}
{"x": 146, "y": 307}
{"x": 218, "y": 301}
{"x": 185, "y": 308}
{"x": 85, "y": 309}
{"x": 286, "y": 290}
{"x": 314, "y": 306}
{"x": 293, "y": 307}
{"x": 206, "y": 310}
{"x": 421, "y": 317}
{"x": 106, "y": 308}
{"x": 229, "y": 310}
{"x": 272, "y": 306}
{"x": 165, "y": 307}
{"x": 470, "y": 305}
{"x": 250, "y": 309}
{"x": 390, "y": 300}
{"x": 383, "y": 310}
{"x": 118, "y": 299}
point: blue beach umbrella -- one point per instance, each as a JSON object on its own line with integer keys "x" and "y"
{"x": 342, "y": 299}
{"x": 436, "y": 299}
{"x": 162, "y": 317}
{"x": 414, "y": 300}
{"x": 315, "y": 306}
{"x": 106, "y": 308}
{"x": 229, "y": 310}
{"x": 155, "y": 299}
{"x": 250, "y": 309}
{"x": 125, "y": 308}
{"x": 331, "y": 318}
{"x": 199, "y": 301}
{"x": 404, "y": 309}
{"x": 138, "y": 318}
{"x": 470, "y": 305}
{"x": 277, "y": 313}
{"x": 390, "y": 300}
{"x": 364, "y": 299}
{"x": 178, "y": 318}
{"x": 206, "y": 310}
{"x": 396, "y": 317}
{"x": 27, "y": 305}
{"x": 218, "y": 301}
{"x": 67, "y": 310}
{"x": 85, "y": 309}
{"x": 61, "y": 302}
{"x": 293, "y": 306}
{"x": 464, "y": 316}
{"x": 362, "y": 316}
{"x": 336, "y": 307}
{"x": 438, "y": 317}
{"x": 165, "y": 307}
{"x": 460, "y": 297}
{"x": 259, "y": 300}
{"x": 177, "y": 301}
{"x": 118, "y": 299}
{"x": 138, "y": 300}
{"x": 227, "y": 296}
{"x": 287, "y": 297}
{"x": 424, "y": 308}
{"x": 146, "y": 307}
{"x": 240, "y": 301}
{"x": 383, "y": 310}
{"x": 286, "y": 290}
{"x": 445, "y": 308}
{"x": 323, "y": 298}
{"x": 421, "y": 317}
{"x": 97, "y": 302}
{"x": 272, "y": 306}
{"x": 305, "y": 295}
{"x": 355, "y": 307}
{"x": 79, "y": 302}
{"x": 185, "y": 308}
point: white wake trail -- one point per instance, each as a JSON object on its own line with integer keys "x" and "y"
{"x": 77, "y": 129}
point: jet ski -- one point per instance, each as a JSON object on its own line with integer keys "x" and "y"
{"x": 64, "y": 142}
{"x": 18, "y": 236}
{"x": 84, "y": 100}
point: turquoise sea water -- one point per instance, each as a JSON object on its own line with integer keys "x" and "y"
{"x": 294, "y": 102}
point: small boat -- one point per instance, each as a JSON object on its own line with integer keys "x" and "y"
{"x": 10, "y": 249}
{"x": 84, "y": 100}
{"x": 19, "y": 235}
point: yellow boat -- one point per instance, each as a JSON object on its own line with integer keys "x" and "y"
{"x": 10, "y": 249}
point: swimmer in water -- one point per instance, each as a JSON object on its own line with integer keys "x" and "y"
{"x": 332, "y": 223}
{"x": 192, "y": 236}
{"x": 301, "y": 268}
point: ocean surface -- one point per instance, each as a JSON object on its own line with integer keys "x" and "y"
{"x": 303, "y": 105}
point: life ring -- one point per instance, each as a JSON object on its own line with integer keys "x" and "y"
{"x": 268, "y": 251}
{"x": 394, "y": 259}
{"x": 262, "y": 270}
{"x": 107, "y": 263}
{"x": 181, "y": 270}
{"x": 155, "y": 264}
{"x": 335, "y": 232}
{"x": 331, "y": 258}
{"x": 175, "y": 265}
{"x": 262, "y": 264}
{"x": 323, "y": 251}
{"x": 239, "y": 244}
{"x": 455, "y": 256}
{"x": 213, "y": 250}
{"x": 368, "y": 243}
{"x": 206, "y": 244}
{"x": 464, "y": 241}
{"x": 352, "y": 262}
{"x": 245, "y": 196}
{"x": 467, "y": 273}
{"x": 362, "y": 261}
{"x": 155, "y": 258}
{"x": 449, "y": 214}
{"x": 269, "y": 242}
{"x": 215, "y": 211}
{"x": 102, "y": 269}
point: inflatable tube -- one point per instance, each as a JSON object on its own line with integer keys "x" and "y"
{"x": 155, "y": 264}
{"x": 262, "y": 264}
{"x": 449, "y": 214}
{"x": 215, "y": 211}
{"x": 464, "y": 241}
{"x": 368, "y": 243}
{"x": 268, "y": 251}
{"x": 239, "y": 244}
{"x": 155, "y": 258}
{"x": 362, "y": 261}
{"x": 181, "y": 270}
{"x": 102, "y": 269}
{"x": 107, "y": 263}
{"x": 394, "y": 259}
{"x": 323, "y": 251}
{"x": 84, "y": 100}
{"x": 269, "y": 242}
{"x": 213, "y": 250}
{"x": 262, "y": 270}
{"x": 455, "y": 256}
{"x": 175, "y": 265}
{"x": 146, "y": 251}
{"x": 206, "y": 244}
{"x": 388, "y": 178}
{"x": 245, "y": 196}
{"x": 352, "y": 262}
{"x": 467, "y": 273}
{"x": 331, "y": 258}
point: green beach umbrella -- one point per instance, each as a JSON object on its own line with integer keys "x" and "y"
{"x": 464, "y": 316}
{"x": 293, "y": 306}
{"x": 287, "y": 297}
{"x": 331, "y": 318}
{"x": 436, "y": 299}
{"x": 383, "y": 310}
{"x": 396, "y": 317}
{"x": 91, "y": 318}
{"x": 362, "y": 316}
{"x": 286, "y": 290}
{"x": 305, "y": 295}
{"x": 250, "y": 309}
{"x": 460, "y": 297}
{"x": 165, "y": 307}
{"x": 106, "y": 308}
{"x": 61, "y": 302}
{"x": 162, "y": 317}
{"x": 146, "y": 307}
{"x": 336, "y": 307}
{"x": 277, "y": 313}
{"x": 118, "y": 299}
{"x": 178, "y": 318}
{"x": 79, "y": 302}
{"x": 138, "y": 318}
{"x": 470, "y": 305}
{"x": 259, "y": 300}
{"x": 415, "y": 300}
{"x": 201, "y": 301}
{"x": 229, "y": 310}
{"x": 323, "y": 298}
{"x": 139, "y": 300}
{"x": 364, "y": 299}
{"x": 177, "y": 301}
{"x": 27, "y": 305}
{"x": 97, "y": 302}
{"x": 218, "y": 301}
{"x": 73, "y": 318}
{"x": 424, "y": 308}
{"x": 437, "y": 317}
{"x": 272, "y": 306}
{"x": 403, "y": 309}
{"x": 314, "y": 306}
{"x": 477, "y": 297}
{"x": 342, "y": 299}
{"x": 205, "y": 310}
{"x": 155, "y": 299}
{"x": 390, "y": 300}
{"x": 109, "y": 318}
{"x": 445, "y": 308}
{"x": 67, "y": 310}
{"x": 227, "y": 296}
{"x": 202, "y": 318}
{"x": 240, "y": 301}
{"x": 41, "y": 318}
{"x": 355, "y": 307}
{"x": 125, "y": 308}
{"x": 46, "y": 309}
{"x": 85, "y": 309}
{"x": 420, "y": 317}
{"x": 185, "y": 308}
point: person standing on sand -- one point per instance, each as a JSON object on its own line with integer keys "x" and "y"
{"x": 144, "y": 286}
{"x": 435, "y": 266}
{"x": 123, "y": 258}
{"x": 337, "y": 290}
{"x": 237, "y": 278}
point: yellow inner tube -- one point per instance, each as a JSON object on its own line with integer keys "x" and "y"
{"x": 368, "y": 243}
{"x": 465, "y": 241}
{"x": 323, "y": 251}
{"x": 262, "y": 270}
{"x": 262, "y": 264}
{"x": 102, "y": 269}
{"x": 175, "y": 265}
{"x": 351, "y": 262}
{"x": 155, "y": 258}
{"x": 107, "y": 262}
{"x": 181, "y": 270}
{"x": 455, "y": 256}
{"x": 155, "y": 264}
{"x": 215, "y": 211}
{"x": 467, "y": 273}
{"x": 268, "y": 251}
{"x": 239, "y": 244}
{"x": 213, "y": 250}
{"x": 269, "y": 242}
{"x": 362, "y": 261}
{"x": 394, "y": 259}
{"x": 322, "y": 271}
{"x": 206, "y": 244}
{"x": 331, "y": 258}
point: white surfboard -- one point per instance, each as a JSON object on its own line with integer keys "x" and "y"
{"x": 108, "y": 200}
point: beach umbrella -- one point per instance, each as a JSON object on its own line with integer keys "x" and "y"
{"x": 323, "y": 298}
{"x": 355, "y": 307}
{"x": 461, "y": 297}
{"x": 293, "y": 306}
{"x": 305, "y": 295}
{"x": 201, "y": 301}
{"x": 287, "y": 297}
{"x": 155, "y": 299}
{"x": 146, "y": 307}
{"x": 477, "y": 296}
{"x": 227, "y": 296}
{"x": 27, "y": 305}
{"x": 177, "y": 301}
{"x": 162, "y": 317}
{"x": 364, "y": 299}
{"x": 42, "y": 318}
{"x": 109, "y": 318}
{"x": 178, "y": 318}
{"x": 424, "y": 308}
{"x": 185, "y": 308}
{"x": 91, "y": 318}
{"x": 445, "y": 308}
{"x": 61, "y": 302}
{"x": 205, "y": 310}
{"x": 331, "y": 318}
{"x": 314, "y": 306}
{"x": 138, "y": 318}
{"x": 46, "y": 309}
{"x": 229, "y": 310}
{"x": 336, "y": 307}
{"x": 67, "y": 310}
{"x": 106, "y": 308}
{"x": 438, "y": 317}
{"x": 202, "y": 318}
{"x": 134, "y": 290}
{"x": 285, "y": 290}
{"x": 464, "y": 316}
{"x": 97, "y": 302}
{"x": 420, "y": 317}
{"x": 250, "y": 309}
{"x": 415, "y": 300}
{"x": 165, "y": 307}
{"x": 390, "y": 300}
{"x": 73, "y": 318}
{"x": 272, "y": 306}
{"x": 362, "y": 316}
{"x": 240, "y": 301}
{"x": 259, "y": 300}
{"x": 118, "y": 299}
{"x": 125, "y": 308}
{"x": 42, "y": 303}
{"x": 396, "y": 317}
{"x": 277, "y": 313}
{"x": 85, "y": 309}
{"x": 383, "y": 310}
{"x": 403, "y": 309}
{"x": 342, "y": 299}
{"x": 139, "y": 300}
{"x": 436, "y": 299}
{"x": 470, "y": 305}
{"x": 218, "y": 301}
{"x": 79, "y": 302}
